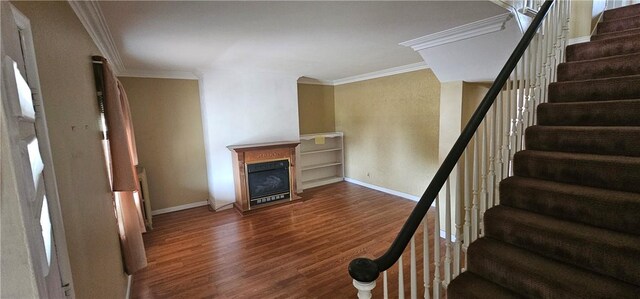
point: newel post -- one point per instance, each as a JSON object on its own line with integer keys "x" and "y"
{"x": 364, "y": 273}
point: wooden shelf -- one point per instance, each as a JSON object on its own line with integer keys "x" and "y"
{"x": 325, "y": 135}
{"x": 321, "y": 159}
{"x": 322, "y": 151}
{"x": 322, "y": 181}
{"x": 316, "y": 166}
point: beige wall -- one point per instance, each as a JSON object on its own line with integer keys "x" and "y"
{"x": 316, "y": 111}
{"x": 391, "y": 130}
{"x": 168, "y": 127}
{"x": 63, "y": 52}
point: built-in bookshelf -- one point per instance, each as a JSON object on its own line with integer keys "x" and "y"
{"x": 321, "y": 159}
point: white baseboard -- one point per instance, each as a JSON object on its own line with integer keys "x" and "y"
{"x": 383, "y": 189}
{"x": 579, "y": 39}
{"x": 129, "y": 280}
{"x": 180, "y": 207}
{"x": 443, "y": 234}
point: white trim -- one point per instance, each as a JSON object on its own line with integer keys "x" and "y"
{"x": 312, "y": 81}
{"x": 383, "y": 73}
{"x": 443, "y": 234}
{"x": 385, "y": 190}
{"x": 466, "y": 31}
{"x": 159, "y": 74}
{"x": 129, "y": 281}
{"x": 579, "y": 39}
{"x": 180, "y": 207}
{"x": 93, "y": 20}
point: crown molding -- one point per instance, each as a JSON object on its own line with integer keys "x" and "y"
{"x": 92, "y": 19}
{"x": 383, "y": 73}
{"x": 159, "y": 74}
{"x": 470, "y": 30}
{"x": 312, "y": 81}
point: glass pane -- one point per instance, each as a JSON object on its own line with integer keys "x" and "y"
{"x": 24, "y": 93}
{"x": 36, "y": 160}
{"x": 47, "y": 236}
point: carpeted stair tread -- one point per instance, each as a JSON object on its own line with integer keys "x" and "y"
{"x": 617, "y": 88}
{"x": 603, "y": 113}
{"x": 470, "y": 286}
{"x": 599, "y": 171}
{"x": 610, "y": 209}
{"x": 606, "y": 67}
{"x": 595, "y": 249}
{"x": 621, "y": 12}
{"x": 630, "y": 33}
{"x": 617, "y": 141}
{"x": 603, "y": 48}
{"x": 621, "y": 24}
{"x": 534, "y": 276}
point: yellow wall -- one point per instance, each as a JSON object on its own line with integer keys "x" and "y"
{"x": 63, "y": 52}
{"x": 316, "y": 108}
{"x": 168, "y": 127}
{"x": 391, "y": 130}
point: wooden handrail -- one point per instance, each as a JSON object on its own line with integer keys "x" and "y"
{"x": 367, "y": 270}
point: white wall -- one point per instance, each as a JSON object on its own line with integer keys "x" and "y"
{"x": 241, "y": 107}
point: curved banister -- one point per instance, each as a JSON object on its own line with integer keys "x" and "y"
{"x": 367, "y": 270}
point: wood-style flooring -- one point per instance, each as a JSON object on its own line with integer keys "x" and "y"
{"x": 300, "y": 250}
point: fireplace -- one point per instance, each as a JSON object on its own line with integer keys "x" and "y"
{"x": 268, "y": 182}
{"x": 264, "y": 174}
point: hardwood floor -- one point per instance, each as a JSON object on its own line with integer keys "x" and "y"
{"x": 292, "y": 251}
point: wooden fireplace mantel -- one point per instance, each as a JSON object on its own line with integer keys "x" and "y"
{"x": 244, "y": 154}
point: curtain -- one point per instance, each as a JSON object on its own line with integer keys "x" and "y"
{"x": 123, "y": 153}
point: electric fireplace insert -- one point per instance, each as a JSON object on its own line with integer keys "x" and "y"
{"x": 268, "y": 182}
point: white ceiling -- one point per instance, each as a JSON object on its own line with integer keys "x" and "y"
{"x": 322, "y": 40}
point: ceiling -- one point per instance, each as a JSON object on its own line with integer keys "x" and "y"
{"x": 321, "y": 40}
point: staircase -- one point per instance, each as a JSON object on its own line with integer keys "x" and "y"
{"x": 568, "y": 222}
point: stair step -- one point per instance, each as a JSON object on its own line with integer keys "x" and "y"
{"x": 470, "y": 286}
{"x": 607, "y": 67}
{"x": 622, "y": 141}
{"x": 603, "y": 48}
{"x": 630, "y": 33}
{"x": 581, "y": 245}
{"x": 599, "y": 171}
{"x": 605, "y": 113}
{"x": 534, "y": 276}
{"x": 615, "y": 210}
{"x": 621, "y": 12}
{"x": 621, "y": 24}
{"x": 618, "y": 88}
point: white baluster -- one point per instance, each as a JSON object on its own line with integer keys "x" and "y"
{"x": 436, "y": 252}
{"x": 459, "y": 207}
{"x": 425, "y": 259}
{"x": 385, "y": 287}
{"x": 475, "y": 207}
{"x": 492, "y": 148}
{"x": 500, "y": 121}
{"x": 483, "y": 176}
{"x": 414, "y": 274}
{"x": 513, "y": 117}
{"x": 447, "y": 230}
{"x": 506, "y": 129}
{"x": 400, "y": 279}
{"x": 468, "y": 165}
{"x": 364, "y": 288}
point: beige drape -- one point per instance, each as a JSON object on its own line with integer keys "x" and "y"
{"x": 124, "y": 177}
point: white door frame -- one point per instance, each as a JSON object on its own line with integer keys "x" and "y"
{"x": 51, "y": 187}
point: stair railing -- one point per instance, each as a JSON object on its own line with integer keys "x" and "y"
{"x": 482, "y": 157}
